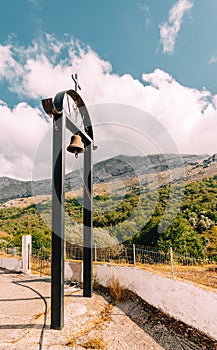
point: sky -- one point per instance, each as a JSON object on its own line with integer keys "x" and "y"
{"x": 146, "y": 69}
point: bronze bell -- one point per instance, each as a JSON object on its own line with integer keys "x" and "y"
{"x": 76, "y": 145}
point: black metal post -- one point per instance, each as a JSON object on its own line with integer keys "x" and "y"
{"x": 60, "y": 123}
{"x": 58, "y": 196}
{"x": 87, "y": 220}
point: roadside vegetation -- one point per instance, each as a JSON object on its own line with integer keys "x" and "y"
{"x": 132, "y": 217}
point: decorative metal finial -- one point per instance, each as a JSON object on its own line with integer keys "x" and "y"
{"x": 75, "y": 79}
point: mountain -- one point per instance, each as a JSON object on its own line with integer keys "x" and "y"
{"x": 123, "y": 167}
{"x": 120, "y": 168}
{"x": 12, "y": 188}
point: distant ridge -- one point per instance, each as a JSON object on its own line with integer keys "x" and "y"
{"x": 118, "y": 168}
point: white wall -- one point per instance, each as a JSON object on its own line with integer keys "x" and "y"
{"x": 183, "y": 301}
{"x": 73, "y": 271}
{"x": 12, "y": 264}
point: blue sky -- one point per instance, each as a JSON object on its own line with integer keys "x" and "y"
{"x": 124, "y": 32}
{"x": 160, "y": 56}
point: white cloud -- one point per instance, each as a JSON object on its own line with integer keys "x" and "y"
{"x": 213, "y": 59}
{"x": 46, "y": 67}
{"x": 169, "y": 30}
{"x": 21, "y": 130}
{"x": 145, "y": 9}
{"x": 9, "y": 67}
{"x": 34, "y": 2}
{"x": 182, "y": 110}
{"x": 188, "y": 115}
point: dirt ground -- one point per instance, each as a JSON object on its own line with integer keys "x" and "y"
{"x": 203, "y": 275}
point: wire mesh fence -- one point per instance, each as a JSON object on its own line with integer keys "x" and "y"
{"x": 41, "y": 261}
{"x": 136, "y": 254}
{"x": 168, "y": 263}
{"x": 11, "y": 251}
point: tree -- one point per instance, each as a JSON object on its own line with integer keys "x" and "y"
{"x": 149, "y": 235}
{"x": 182, "y": 238}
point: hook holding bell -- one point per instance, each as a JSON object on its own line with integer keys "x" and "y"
{"x": 76, "y": 145}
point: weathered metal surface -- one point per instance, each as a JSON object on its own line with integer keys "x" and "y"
{"x": 60, "y": 123}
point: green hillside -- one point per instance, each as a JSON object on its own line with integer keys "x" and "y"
{"x": 134, "y": 216}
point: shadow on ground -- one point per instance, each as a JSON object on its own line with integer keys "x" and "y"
{"x": 168, "y": 332}
{"x": 21, "y": 326}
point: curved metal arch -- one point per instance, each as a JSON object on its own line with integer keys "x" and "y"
{"x": 58, "y": 104}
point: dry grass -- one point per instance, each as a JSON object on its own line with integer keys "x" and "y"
{"x": 41, "y": 267}
{"x": 4, "y": 234}
{"x": 96, "y": 342}
{"x": 118, "y": 293}
{"x": 25, "y": 202}
{"x": 204, "y": 275}
{"x": 38, "y": 315}
{"x": 4, "y": 255}
{"x": 93, "y": 343}
{"x": 105, "y": 314}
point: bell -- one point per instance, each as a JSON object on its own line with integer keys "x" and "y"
{"x": 76, "y": 146}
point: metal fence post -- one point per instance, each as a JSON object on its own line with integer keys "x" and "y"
{"x": 134, "y": 254}
{"x": 95, "y": 252}
{"x": 172, "y": 262}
